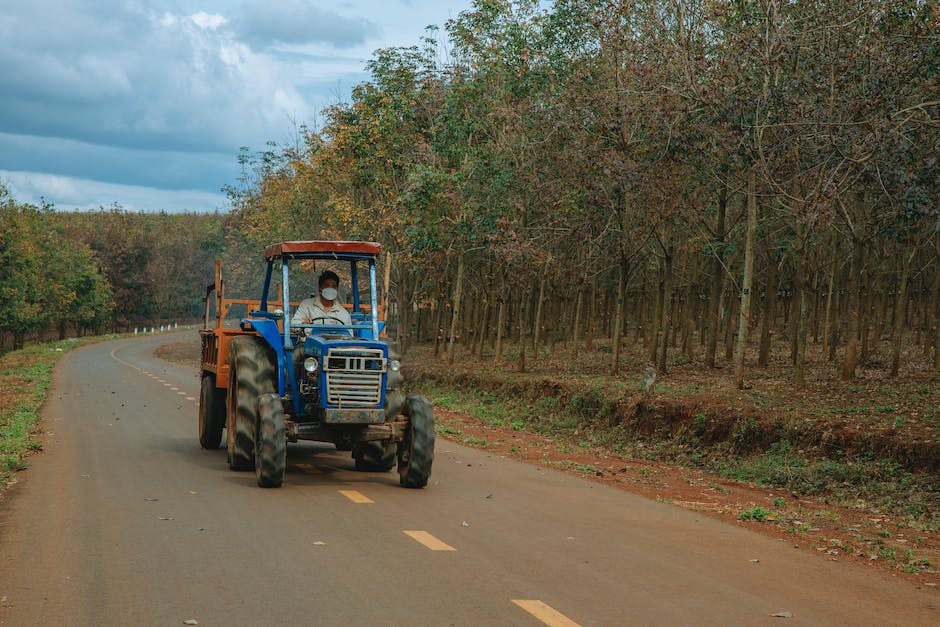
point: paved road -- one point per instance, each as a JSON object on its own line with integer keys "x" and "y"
{"x": 123, "y": 520}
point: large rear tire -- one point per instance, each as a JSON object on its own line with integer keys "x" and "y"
{"x": 270, "y": 442}
{"x": 375, "y": 456}
{"x": 251, "y": 374}
{"x": 416, "y": 452}
{"x": 211, "y": 413}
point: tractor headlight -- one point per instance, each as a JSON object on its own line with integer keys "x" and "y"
{"x": 311, "y": 365}
{"x": 394, "y": 365}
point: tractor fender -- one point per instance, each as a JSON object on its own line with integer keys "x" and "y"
{"x": 271, "y": 334}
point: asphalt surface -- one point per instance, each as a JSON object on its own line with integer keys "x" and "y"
{"x": 124, "y": 520}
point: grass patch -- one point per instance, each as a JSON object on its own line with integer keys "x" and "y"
{"x": 882, "y": 481}
{"x": 484, "y": 406}
{"x": 759, "y": 514}
{"x": 584, "y": 469}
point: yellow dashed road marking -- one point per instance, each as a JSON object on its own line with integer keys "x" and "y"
{"x": 545, "y": 613}
{"x": 181, "y": 393}
{"x": 355, "y": 496}
{"x": 429, "y": 541}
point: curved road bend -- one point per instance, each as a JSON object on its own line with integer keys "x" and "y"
{"x": 123, "y": 520}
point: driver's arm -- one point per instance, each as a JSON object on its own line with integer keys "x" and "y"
{"x": 301, "y": 314}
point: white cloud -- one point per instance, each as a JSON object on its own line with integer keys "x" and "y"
{"x": 68, "y": 193}
{"x": 208, "y": 21}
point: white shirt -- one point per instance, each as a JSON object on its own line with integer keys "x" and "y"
{"x": 311, "y": 308}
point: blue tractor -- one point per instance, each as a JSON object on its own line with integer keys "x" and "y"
{"x": 270, "y": 381}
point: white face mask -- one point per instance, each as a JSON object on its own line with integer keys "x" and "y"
{"x": 328, "y": 293}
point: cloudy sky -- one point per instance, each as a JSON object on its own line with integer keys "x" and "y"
{"x": 145, "y": 103}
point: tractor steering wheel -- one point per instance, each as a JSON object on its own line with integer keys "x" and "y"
{"x": 342, "y": 322}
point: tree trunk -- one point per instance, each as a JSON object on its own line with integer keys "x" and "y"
{"x": 717, "y": 281}
{"x": 618, "y": 320}
{"x": 689, "y": 310}
{"x": 438, "y": 321}
{"x": 592, "y": 316}
{"x": 866, "y": 306}
{"x": 455, "y": 316}
{"x": 799, "y": 362}
{"x": 801, "y": 285}
{"x": 834, "y": 328}
{"x": 850, "y": 359}
{"x": 402, "y": 314}
{"x": 745, "y": 314}
{"x": 657, "y": 318}
{"x": 729, "y": 319}
{"x": 500, "y": 325}
{"x": 520, "y": 366}
{"x": 666, "y": 318}
{"x": 769, "y": 313}
{"x": 829, "y": 298}
{"x": 484, "y": 328}
{"x": 900, "y": 314}
{"x": 934, "y": 304}
{"x": 537, "y": 327}
{"x": 578, "y": 308}
{"x": 639, "y": 316}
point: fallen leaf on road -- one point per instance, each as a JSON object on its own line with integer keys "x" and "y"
{"x": 319, "y": 543}
{"x": 150, "y": 499}
{"x": 783, "y": 615}
{"x": 166, "y": 518}
{"x": 465, "y": 524}
{"x": 191, "y": 621}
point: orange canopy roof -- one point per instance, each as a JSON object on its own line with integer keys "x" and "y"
{"x": 321, "y": 247}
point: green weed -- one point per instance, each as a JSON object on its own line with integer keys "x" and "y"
{"x": 759, "y": 514}
{"x": 588, "y": 469}
{"x": 472, "y": 440}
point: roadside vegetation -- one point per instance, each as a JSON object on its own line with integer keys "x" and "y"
{"x": 25, "y": 378}
{"x": 789, "y": 447}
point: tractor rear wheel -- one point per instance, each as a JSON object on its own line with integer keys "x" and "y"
{"x": 375, "y": 456}
{"x": 251, "y": 374}
{"x": 270, "y": 442}
{"x": 416, "y": 452}
{"x": 211, "y": 413}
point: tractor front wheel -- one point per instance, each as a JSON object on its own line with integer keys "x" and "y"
{"x": 416, "y": 452}
{"x": 211, "y": 413}
{"x": 251, "y": 374}
{"x": 270, "y": 442}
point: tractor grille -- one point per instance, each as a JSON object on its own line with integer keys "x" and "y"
{"x": 354, "y": 376}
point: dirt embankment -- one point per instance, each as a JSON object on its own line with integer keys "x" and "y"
{"x": 706, "y": 422}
